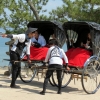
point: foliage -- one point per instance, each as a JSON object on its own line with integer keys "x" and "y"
{"x": 82, "y": 10}
{"x": 16, "y": 14}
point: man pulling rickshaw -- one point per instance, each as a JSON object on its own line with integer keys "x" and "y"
{"x": 21, "y": 41}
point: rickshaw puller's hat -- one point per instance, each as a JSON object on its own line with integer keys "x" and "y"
{"x": 31, "y": 30}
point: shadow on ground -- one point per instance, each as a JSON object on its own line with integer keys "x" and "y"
{"x": 37, "y": 86}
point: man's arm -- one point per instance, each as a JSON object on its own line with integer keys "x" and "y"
{"x": 43, "y": 41}
{"x": 65, "y": 57}
{"x": 11, "y": 36}
{"x": 28, "y": 44}
{"x": 7, "y": 35}
{"x": 48, "y": 55}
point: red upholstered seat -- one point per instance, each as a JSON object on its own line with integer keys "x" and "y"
{"x": 38, "y": 53}
{"x": 76, "y": 56}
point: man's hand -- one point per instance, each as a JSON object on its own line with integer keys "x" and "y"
{"x": 29, "y": 61}
{"x": 4, "y": 35}
{"x": 32, "y": 44}
{"x": 67, "y": 68}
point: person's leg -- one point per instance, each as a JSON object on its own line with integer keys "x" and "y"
{"x": 59, "y": 74}
{"x": 10, "y": 70}
{"x": 19, "y": 69}
{"x": 48, "y": 75}
{"x": 15, "y": 66}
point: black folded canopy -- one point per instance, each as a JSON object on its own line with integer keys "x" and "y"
{"x": 48, "y": 28}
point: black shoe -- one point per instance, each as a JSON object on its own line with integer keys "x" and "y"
{"x": 15, "y": 86}
{"x": 59, "y": 92}
{"x": 42, "y": 93}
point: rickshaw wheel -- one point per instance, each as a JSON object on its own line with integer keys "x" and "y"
{"x": 66, "y": 78}
{"x": 91, "y": 76}
{"x": 27, "y": 74}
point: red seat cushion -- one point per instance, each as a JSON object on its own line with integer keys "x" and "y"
{"x": 37, "y": 53}
{"x": 77, "y": 57}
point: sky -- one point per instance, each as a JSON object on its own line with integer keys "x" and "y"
{"x": 52, "y": 4}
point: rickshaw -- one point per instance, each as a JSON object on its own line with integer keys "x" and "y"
{"x": 46, "y": 28}
{"x": 90, "y": 71}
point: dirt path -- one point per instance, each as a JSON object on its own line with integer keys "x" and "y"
{"x": 31, "y": 91}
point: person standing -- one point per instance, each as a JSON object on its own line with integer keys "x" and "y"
{"x": 54, "y": 56}
{"x": 21, "y": 41}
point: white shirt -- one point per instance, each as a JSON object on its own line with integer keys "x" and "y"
{"x": 40, "y": 40}
{"x": 21, "y": 38}
{"x": 55, "y": 55}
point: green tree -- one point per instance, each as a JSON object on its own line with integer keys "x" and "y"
{"x": 82, "y": 10}
{"x": 1, "y": 11}
{"x": 16, "y": 14}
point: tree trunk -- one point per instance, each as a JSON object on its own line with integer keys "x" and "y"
{"x": 33, "y": 9}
